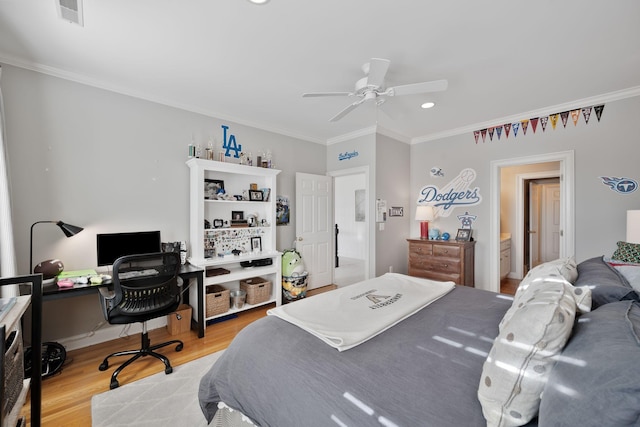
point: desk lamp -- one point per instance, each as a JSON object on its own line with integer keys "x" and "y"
{"x": 633, "y": 226}
{"x": 68, "y": 230}
{"x": 424, "y": 214}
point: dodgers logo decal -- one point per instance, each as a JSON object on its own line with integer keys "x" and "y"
{"x": 620, "y": 185}
{"x": 456, "y": 193}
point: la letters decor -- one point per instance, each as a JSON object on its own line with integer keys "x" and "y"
{"x": 347, "y": 155}
{"x": 230, "y": 144}
{"x": 456, "y": 193}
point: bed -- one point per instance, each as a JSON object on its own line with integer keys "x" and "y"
{"x": 444, "y": 365}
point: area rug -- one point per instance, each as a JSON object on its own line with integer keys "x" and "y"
{"x": 158, "y": 400}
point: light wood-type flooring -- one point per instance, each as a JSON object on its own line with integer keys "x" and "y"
{"x": 66, "y": 397}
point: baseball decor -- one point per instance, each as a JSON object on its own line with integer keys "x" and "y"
{"x": 49, "y": 268}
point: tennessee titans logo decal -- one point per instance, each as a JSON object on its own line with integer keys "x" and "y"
{"x": 620, "y": 185}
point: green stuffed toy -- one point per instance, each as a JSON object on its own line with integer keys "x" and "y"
{"x": 292, "y": 264}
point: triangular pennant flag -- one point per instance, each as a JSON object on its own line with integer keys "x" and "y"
{"x": 507, "y": 128}
{"x": 483, "y": 132}
{"x": 598, "y": 109}
{"x": 499, "y": 131}
{"x": 534, "y": 123}
{"x": 515, "y": 128}
{"x": 565, "y": 117}
{"x": 586, "y": 113}
{"x": 554, "y": 120}
{"x": 543, "y": 121}
{"x": 525, "y": 125}
{"x": 575, "y": 116}
{"x": 491, "y": 130}
{"x": 476, "y": 135}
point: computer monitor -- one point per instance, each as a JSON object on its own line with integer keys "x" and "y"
{"x": 112, "y": 246}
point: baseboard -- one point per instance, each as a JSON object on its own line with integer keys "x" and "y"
{"x": 110, "y": 332}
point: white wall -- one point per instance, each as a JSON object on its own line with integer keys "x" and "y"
{"x": 605, "y": 148}
{"x": 111, "y": 163}
{"x": 352, "y": 233}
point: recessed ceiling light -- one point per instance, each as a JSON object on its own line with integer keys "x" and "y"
{"x": 428, "y": 105}
{"x": 259, "y": 1}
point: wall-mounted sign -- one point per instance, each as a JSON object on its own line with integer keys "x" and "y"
{"x": 620, "y": 185}
{"x": 347, "y": 155}
{"x": 230, "y": 144}
{"x": 457, "y": 192}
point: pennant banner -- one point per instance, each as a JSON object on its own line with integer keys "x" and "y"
{"x": 513, "y": 128}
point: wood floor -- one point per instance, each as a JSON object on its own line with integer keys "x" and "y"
{"x": 66, "y": 397}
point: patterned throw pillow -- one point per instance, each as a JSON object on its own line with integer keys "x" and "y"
{"x": 523, "y": 354}
{"x": 627, "y": 252}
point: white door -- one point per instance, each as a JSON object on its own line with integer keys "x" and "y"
{"x": 534, "y": 225}
{"x": 314, "y": 227}
{"x": 550, "y": 234}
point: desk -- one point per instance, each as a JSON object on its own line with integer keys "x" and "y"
{"x": 187, "y": 271}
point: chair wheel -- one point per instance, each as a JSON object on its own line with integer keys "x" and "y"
{"x": 104, "y": 366}
{"x": 179, "y": 347}
{"x": 168, "y": 370}
{"x": 114, "y": 384}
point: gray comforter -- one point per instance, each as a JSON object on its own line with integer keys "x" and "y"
{"x": 424, "y": 371}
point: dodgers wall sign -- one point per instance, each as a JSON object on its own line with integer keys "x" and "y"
{"x": 458, "y": 192}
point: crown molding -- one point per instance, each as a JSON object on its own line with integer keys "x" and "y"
{"x": 579, "y": 103}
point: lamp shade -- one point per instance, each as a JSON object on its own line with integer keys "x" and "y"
{"x": 68, "y": 229}
{"x": 425, "y": 213}
{"x": 633, "y": 226}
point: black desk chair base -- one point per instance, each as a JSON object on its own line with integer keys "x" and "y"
{"x": 146, "y": 350}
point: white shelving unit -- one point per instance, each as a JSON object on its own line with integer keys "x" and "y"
{"x": 211, "y": 247}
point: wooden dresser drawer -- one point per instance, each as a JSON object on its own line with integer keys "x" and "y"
{"x": 443, "y": 261}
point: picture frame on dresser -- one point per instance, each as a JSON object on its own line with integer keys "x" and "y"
{"x": 464, "y": 235}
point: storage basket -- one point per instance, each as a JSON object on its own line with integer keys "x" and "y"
{"x": 258, "y": 289}
{"x": 217, "y": 300}
{"x": 294, "y": 287}
{"x": 13, "y": 369}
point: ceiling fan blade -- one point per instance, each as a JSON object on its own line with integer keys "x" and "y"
{"x": 311, "y": 94}
{"x": 346, "y": 111}
{"x": 434, "y": 86}
{"x": 377, "y": 70}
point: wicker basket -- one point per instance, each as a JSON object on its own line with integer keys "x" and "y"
{"x": 13, "y": 370}
{"x": 217, "y": 300}
{"x": 258, "y": 289}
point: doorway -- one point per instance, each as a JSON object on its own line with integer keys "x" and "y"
{"x": 541, "y": 232}
{"x": 351, "y": 222}
{"x": 566, "y": 209}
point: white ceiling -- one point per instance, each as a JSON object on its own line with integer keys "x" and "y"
{"x": 250, "y": 64}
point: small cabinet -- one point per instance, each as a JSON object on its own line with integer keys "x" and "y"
{"x": 442, "y": 260}
{"x": 505, "y": 257}
{"x": 233, "y": 238}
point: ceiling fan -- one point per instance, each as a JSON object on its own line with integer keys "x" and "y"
{"x": 371, "y": 87}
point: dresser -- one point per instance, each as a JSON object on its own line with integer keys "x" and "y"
{"x": 442, "y": 260}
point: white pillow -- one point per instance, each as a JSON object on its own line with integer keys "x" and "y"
{"x": 518, "y": 365}
{"x": 631, "y": 272}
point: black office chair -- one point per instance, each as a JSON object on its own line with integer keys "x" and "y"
{"x": 145, "y": 287}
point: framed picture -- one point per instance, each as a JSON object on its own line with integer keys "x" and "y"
{"x": 217, "y": 223}
{"x": 256, "y": 195}
{"x": 256, "y": 244}
{"x": 396, "y": 211}
{"x": 464, "y": 235}
{"x": 211, "y": 188}
{"x": 237, "y": 215}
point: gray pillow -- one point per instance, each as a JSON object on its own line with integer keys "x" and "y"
{"x": 596, "y": 380}
{"x": 606, "y": 284}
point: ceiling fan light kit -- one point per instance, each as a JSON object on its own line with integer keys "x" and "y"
{"x": 371, "y": 87}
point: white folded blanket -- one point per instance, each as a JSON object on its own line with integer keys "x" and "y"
{"x": 349, "y": 316}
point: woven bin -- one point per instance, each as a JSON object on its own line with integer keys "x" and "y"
{"x": 217, "y": 300}
{"x": 258, "y": 289}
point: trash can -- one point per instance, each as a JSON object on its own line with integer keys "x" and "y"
{"x": 180, "y": 320}
{"x": 294, "y": 287}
